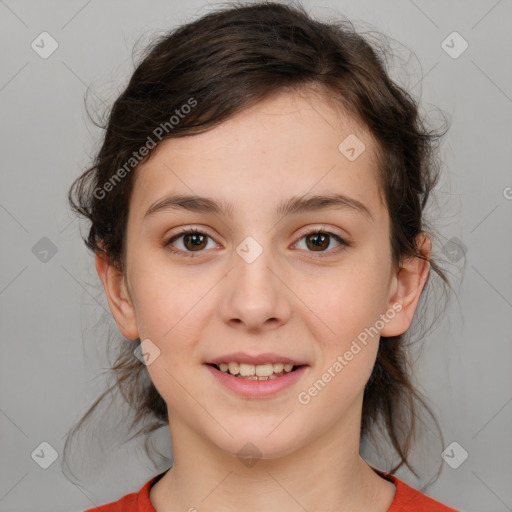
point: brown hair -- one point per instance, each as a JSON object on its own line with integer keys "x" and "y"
{"x": 219, "y": 65}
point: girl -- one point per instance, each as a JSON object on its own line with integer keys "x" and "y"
{"x": 256, "y": 214}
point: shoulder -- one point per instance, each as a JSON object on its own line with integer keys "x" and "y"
{"x": 133, "y": 502}
{"x": 408, "y": 499}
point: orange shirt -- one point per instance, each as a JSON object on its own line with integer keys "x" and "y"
{"x": 406, "y": 499}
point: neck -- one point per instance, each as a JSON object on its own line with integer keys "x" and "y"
{"x": 327, "y": 475}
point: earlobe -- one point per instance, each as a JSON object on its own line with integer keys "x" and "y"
{"x": 408, "y": 284}
{"x": 118, "y": 297}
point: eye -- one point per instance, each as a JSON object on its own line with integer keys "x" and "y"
{"x": 193, "y": 241}
{"x": 319, "y": 241}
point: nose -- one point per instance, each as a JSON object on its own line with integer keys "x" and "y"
{"x": 255, "y": 297}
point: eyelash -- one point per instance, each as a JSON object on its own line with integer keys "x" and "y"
{"x": 321, "y": 254}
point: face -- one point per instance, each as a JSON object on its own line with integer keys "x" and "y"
{"x": 301, "y": 284}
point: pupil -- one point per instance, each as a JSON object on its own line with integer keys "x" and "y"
{"x": 195, "y": 237}
{"x": 318, "y": 245}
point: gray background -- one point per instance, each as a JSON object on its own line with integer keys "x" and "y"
{"x": 50, "y": 303}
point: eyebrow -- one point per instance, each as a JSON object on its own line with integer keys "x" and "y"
{"x": 293, "y": 205}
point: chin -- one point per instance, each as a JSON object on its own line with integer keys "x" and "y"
{"x": 259, "y": 443}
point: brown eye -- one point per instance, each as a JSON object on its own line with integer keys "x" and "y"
{"x": 192, "y": 241}
{"x": 319, "y": 241}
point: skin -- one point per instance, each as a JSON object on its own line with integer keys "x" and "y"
{"x": 289, "y": 301}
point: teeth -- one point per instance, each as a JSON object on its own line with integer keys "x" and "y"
{"x": 256, "y": 372}
{"x": 278, "y": 367}
{"x": 264, "y": 370}
{"x": 246, "y": 370}
{"x": 234, "y": 368}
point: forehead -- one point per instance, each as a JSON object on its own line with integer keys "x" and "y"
{"x": 289, "y": 144}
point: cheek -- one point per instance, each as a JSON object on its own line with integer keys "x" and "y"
{"x": 339, "y": 389}
{"x": 350, "y": 305}
{"x": 346, "y": 299}
{"x": 162, "y": 302}
{"x": 173, "y": 309}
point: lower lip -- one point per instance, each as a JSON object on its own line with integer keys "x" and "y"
{"x": 257, "y": 388}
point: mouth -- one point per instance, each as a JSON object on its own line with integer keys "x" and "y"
{"x": 261, "y": 372}
{"x": 245, "y": 382}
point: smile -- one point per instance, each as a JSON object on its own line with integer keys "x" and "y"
{"x": 267, "y": 371}
{"x": 253, "y": 385}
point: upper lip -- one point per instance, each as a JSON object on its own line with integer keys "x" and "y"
{"x": 241, "y": 357}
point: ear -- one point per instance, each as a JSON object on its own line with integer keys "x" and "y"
{"x": 406, "y": 289}
{"x": 118, "y": 296}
